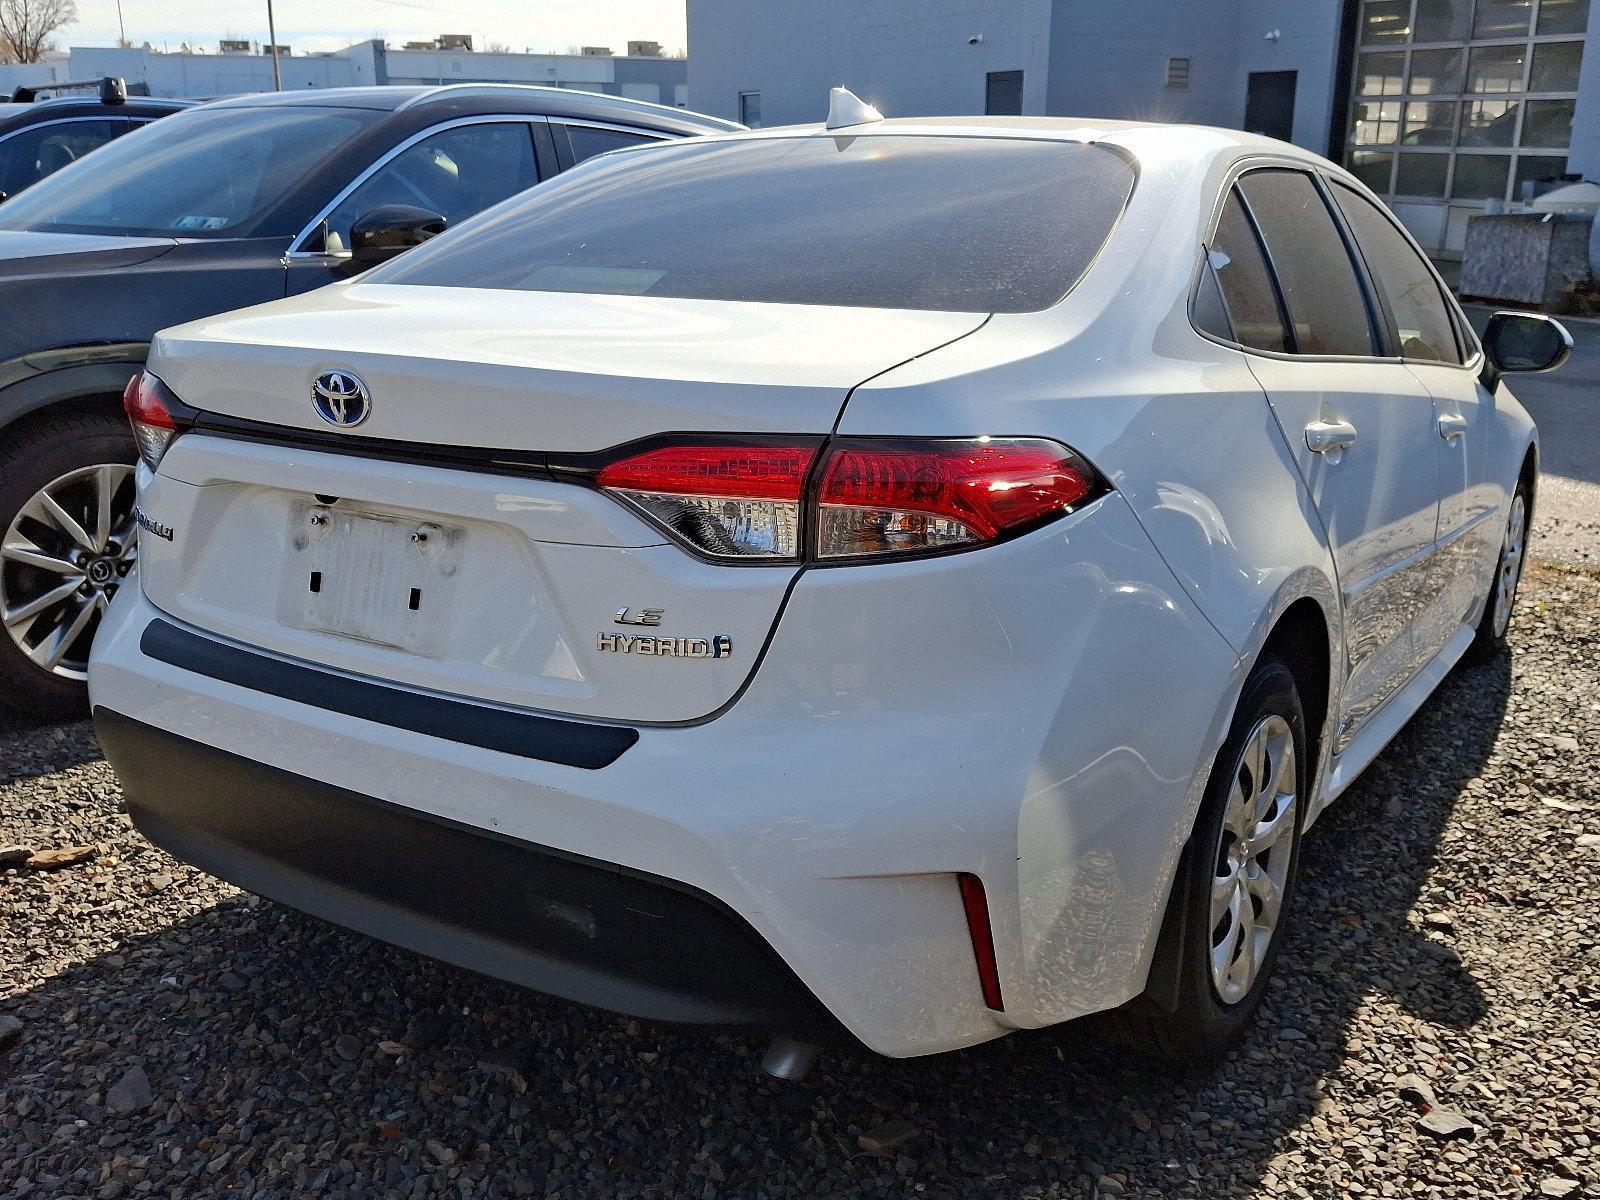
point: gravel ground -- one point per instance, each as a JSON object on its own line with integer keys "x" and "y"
{"x": 181, "y": 1039}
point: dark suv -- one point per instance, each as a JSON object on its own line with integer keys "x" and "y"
{"x": 229, "y": 204}
{"x": 39, "y": 137}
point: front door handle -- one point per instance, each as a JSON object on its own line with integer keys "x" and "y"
{"x": 1451, "y": 427}
{"x": 1325, "y": 437}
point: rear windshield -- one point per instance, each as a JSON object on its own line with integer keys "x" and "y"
{"x": 881, "y": 221}
{"x": 205, "y": 173}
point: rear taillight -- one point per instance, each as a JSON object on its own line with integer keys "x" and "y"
{"x": 886, "y": 497}
{"x": 870, "y": 498}
{"x": 729, "y": 502}
{"x": 155, "y": 414}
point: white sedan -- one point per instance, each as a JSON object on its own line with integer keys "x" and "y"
{"x": 916, "y": 576}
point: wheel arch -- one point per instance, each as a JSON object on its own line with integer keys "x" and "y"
{"x": 81, "y": 376}
{"x": 1301, "y": 635}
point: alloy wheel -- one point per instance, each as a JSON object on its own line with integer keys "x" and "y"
{"x": 63, "y": 557}
{"x": 1253, "y": 853}
{"x": 1509, "y": 572}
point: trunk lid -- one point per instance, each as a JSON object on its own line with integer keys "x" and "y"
{"x": 504, "y": 588}
{"x": 543, "y": 370}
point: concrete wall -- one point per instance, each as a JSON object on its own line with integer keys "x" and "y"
{"x": 1584, "y": 157}
{"x": 907, "y": 57}
{"x": 662, "y": 80}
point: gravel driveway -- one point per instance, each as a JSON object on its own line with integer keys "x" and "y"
{"x": 181, "y": 1039}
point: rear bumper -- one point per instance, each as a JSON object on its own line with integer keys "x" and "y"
{"x": 555, "y": 922}
{"x": 1040, "y": 714}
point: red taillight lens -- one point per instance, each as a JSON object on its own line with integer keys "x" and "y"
{"x": 871, "y": 497}
{"x": 727, "y": 501}
{"x": 151, "y": 412}
{"x": 979, "y": 930}
{"x": 886, "y": 497}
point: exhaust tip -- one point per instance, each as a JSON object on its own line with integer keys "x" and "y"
{"x": 788, "y": 1059}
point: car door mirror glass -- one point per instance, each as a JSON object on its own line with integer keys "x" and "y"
{"x": 391, "y": 229}
{"x": 1516, "y": 341}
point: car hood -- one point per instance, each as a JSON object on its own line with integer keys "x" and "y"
{"x": 26, "y": 252}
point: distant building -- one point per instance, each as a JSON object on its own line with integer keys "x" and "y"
{"x": 233, "y": 46}
{"x": 644, "y": 49}
{"x": 454, "y": 41}
{"x": 659, "y": 80}
{"x": 1441, "y": 106}
{"x": 595, "y": 51}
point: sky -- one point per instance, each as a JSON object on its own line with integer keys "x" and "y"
{"x": 311, "y": 25}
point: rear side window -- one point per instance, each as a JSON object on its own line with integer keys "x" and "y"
{"x": 1313, "y": 268}
{"x": 1418, "y": 314}
{"x": 587, "y": 141}
{"x": 1241, "y": 272}
{"x": 879, "y": 220}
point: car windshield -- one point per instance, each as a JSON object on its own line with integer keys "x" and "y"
{"x": 203, "y": 173}
{"x": 966, "y": 224}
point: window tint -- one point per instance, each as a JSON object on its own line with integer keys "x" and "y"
{"x": 588, "y": 141}
{"x": 30, "y": 154}
{"x": 1246, "y": 284}
{"x": 1313, "y": 268}
{"x": 958, "y": 224}
{"x": 456, "y": 172}
{"x": 1421, "y": 318}
{"x": 209, "y": 172}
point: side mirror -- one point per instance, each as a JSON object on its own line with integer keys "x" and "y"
{"x": 1518, "y": 341}
{"x": 391, "y": 229}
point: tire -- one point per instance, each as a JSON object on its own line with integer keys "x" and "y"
{"x": 73, "y": 456}
{"x": 1500, "y": 604}
{"x": 1207, "y": 1010}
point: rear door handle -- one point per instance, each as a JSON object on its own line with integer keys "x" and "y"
{"x": 1451, "y": 427}
{"x": 1323, "y": 437}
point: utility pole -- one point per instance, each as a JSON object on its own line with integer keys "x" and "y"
{"x": 272, "y": 33}
{"x": 122, "y": 31}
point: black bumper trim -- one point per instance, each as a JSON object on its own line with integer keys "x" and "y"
{"x": 560, "y": 923}
{"x": 527, "y": 735}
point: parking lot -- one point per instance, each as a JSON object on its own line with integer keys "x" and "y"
{"x": 180, "y": 1038}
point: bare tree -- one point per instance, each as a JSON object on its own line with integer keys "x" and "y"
{"x": 27, "y": 26}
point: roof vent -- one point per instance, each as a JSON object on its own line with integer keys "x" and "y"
{"x": 846, "y": 108}
{"x": 1178, "y": 73}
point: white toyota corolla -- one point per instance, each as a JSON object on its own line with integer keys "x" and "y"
{"x": 919, "y": 576}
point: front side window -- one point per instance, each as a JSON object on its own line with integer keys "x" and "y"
{"x": 1420, "y": 318}
{"x": 208, "y": 172}
{"x": 963, "y": 224}
{"x": 30, "y": 154}
{"x": 1314, "y": 270}
{"x": 455, "y": 172}
{"x": 1247, "y": 291}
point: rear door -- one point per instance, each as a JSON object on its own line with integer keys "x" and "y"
{"x": 457, "y": 170}
{"x": 1359, "y": 424}
{"x": 1422, "y": 326}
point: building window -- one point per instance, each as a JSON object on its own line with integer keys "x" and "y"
{"x": 750, "y": 109}
{"x": 1002, "y": 94}
{"x": 1178, "y": 73}
{"x": 1456, "y": 101}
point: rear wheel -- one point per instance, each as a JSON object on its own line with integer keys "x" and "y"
{"x": 1236, "y": 879}
{"x": 66, "y": 544}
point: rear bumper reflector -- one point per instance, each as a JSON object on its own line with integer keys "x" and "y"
{"x": 527, "y": 735}
{"x": 977, "y": 906}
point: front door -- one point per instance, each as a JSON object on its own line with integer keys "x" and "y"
{"x": 1269, "y": 104}
{"x": 1361, "y": 430}
{"x": 1425, "y": 332}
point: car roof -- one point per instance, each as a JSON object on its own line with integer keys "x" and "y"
{"x": 1141, "y": 138}
{"x": 28, "y": 112}
{"x": 489, "y": 97}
